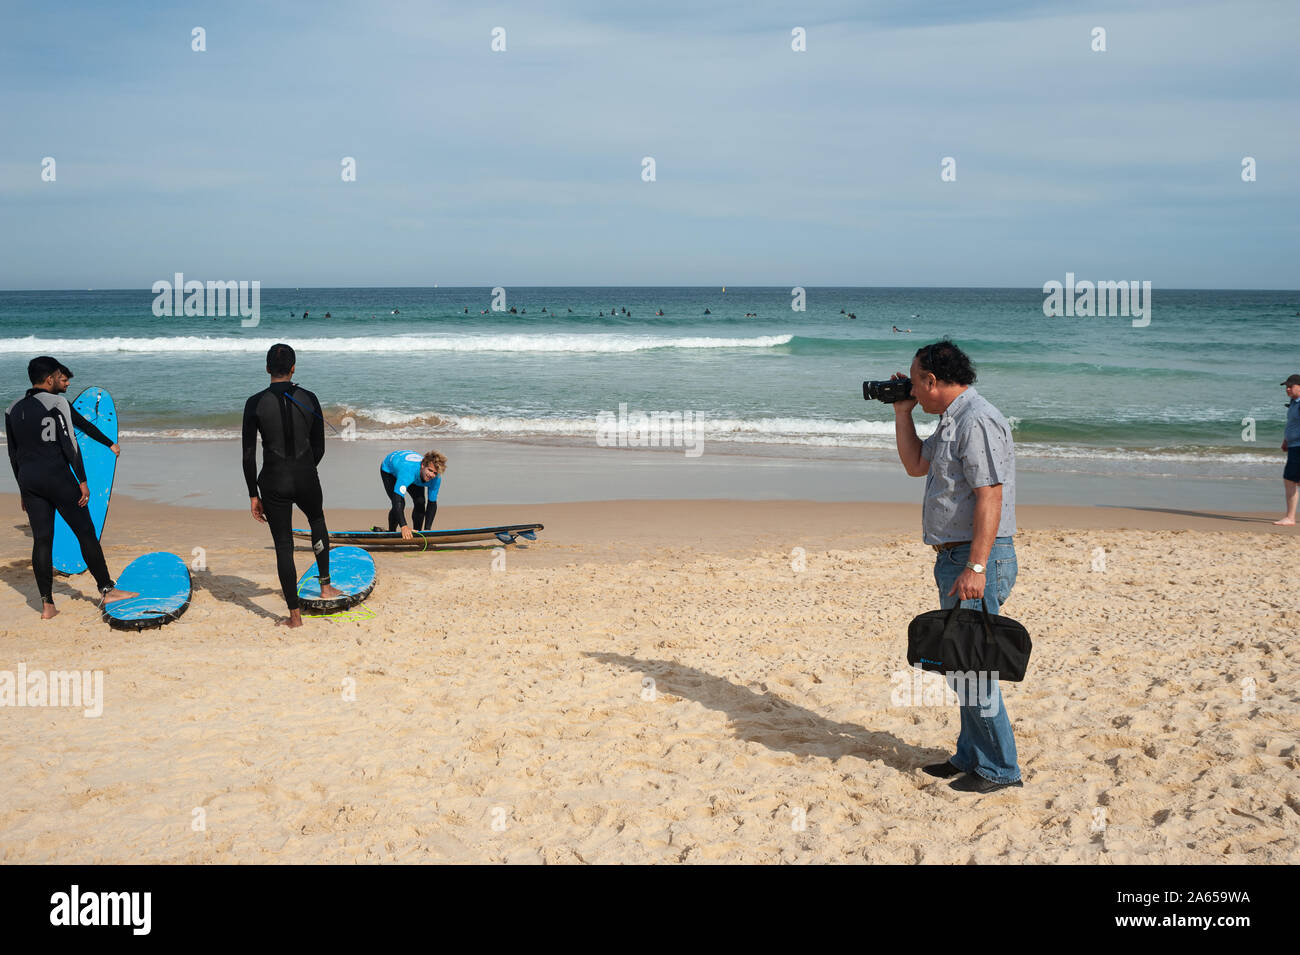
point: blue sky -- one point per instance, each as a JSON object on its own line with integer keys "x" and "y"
{"x": 773, "y": 167}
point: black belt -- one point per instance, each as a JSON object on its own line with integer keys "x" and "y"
{"x": 940, "y": 548}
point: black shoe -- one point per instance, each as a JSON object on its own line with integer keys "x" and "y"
{"x": 975, "y": 783}
{"x": 942, "y": 770}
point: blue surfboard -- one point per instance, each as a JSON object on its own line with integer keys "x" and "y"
{"x": 96, "y": 406}
{"x": 163, "y": 582}
{"x": 352, "y": 571}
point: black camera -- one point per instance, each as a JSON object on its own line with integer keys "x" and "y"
{"x": 895, "y": 389}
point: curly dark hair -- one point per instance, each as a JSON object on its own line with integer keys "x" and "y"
{"x": 947, "y": 362}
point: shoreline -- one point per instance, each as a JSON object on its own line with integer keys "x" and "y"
{"x": 516, "y": 473}
{"x": 600, "y": 527}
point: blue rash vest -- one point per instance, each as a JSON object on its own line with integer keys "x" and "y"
{"x": 405, "y": 466}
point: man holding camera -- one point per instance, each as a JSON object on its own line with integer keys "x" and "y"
{"x": 969, "y": 518}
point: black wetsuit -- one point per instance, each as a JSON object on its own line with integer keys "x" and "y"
{"x": 42, "y": 448}
{"x": 293, "y": 442}
{"x": 423, "y": 511}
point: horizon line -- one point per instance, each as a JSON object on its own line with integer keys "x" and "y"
{"x": 1033, "y": 288}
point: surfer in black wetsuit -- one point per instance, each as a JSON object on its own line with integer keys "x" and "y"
{"x": 81, "y": 424}
{"x": 42, "y": 448}
{"x": 293, "y": 442}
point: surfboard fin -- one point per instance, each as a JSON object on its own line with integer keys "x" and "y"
{"x": 505, "y": 538}
{"x": 528, "y": 535}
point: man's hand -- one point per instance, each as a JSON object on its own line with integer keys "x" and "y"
{"x": 255, "y": 505}
{"x": 906, "y": 404}
{"x": 85, "y": 495}
{"x": 117, "y": 452}
{"x": 1284, "y": 445}
{"x": 968, "y": 586}
{"x": 406, "y": 533}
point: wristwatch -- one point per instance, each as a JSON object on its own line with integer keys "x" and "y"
{"x": 978, "y": 568}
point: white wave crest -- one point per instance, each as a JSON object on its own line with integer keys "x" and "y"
{"x": 386, "y": 344}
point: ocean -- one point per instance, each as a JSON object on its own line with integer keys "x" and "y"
{"x": 1086, "y": 394}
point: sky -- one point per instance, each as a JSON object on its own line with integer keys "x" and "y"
{"x": 772, "y": 166}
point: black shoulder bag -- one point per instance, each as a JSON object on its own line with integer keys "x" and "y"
{"x": 961, "y": 641}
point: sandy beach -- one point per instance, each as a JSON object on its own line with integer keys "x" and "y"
{"x": 470, "y": 714}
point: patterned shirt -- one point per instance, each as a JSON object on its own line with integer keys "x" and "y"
{"x": 971, "y": 448}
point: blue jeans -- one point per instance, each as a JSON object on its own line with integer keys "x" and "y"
{"x": 985, "y": 744}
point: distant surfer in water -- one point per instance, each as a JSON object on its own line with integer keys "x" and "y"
{"x": 406, "y": 472}
{"x": 42, "y": 449}
{"x": 292, "y": 427}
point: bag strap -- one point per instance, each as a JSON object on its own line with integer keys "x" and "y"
{"x": 984, "y": 611}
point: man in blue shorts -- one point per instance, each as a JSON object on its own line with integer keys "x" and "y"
{"x": 1291, "y": 445}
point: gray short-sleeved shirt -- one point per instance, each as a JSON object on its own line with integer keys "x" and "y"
{"x": 971, "y": 448}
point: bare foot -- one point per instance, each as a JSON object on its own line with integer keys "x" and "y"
{"x": 48, "y": 611}
{"x": 116, "y": 594}
{"x": 1286, "y": 522}
{"x": 330, "y": 592}
{"x": 294, "y": 619}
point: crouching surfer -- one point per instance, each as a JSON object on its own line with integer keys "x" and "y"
{"x": 292, "y": 427}
{"x": 406, "y": 472}
{"x": 45, "y": 456}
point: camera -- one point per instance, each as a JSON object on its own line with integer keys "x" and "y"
{"x": 895, "y": 389}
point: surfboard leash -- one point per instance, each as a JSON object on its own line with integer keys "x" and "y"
{"x": 310, "y": 412}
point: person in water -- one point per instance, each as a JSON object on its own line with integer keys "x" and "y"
{"x": 289, "y": 419}
{"x": 406, "y": 472}
{"x": 51, "y": 478}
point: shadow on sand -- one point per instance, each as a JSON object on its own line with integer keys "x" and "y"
{"x": 767, "y": 719}
{"x": 1173, "y": 510}
{"x": 227, "y": 588}
{"x": 18, "y": 575}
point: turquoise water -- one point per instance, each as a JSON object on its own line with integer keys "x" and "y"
{"x": 1093, "y": 394}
